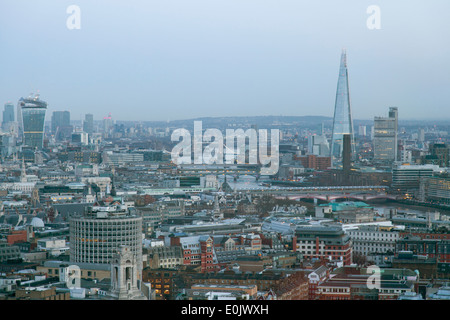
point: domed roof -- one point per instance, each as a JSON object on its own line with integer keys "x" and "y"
{"x": 37, "y": 222}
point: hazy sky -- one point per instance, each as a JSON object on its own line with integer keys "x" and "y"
{"x": 179, "y": 59}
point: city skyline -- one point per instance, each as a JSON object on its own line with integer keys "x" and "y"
{"x": 225, "y": 59}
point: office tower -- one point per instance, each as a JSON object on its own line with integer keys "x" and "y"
{"x": 421, "y": 135}
{"x": 88, "y": 123}
{"x": 318, "y": 145}
{"x": 107, "y": 125}
{"x": 406, "y": 178}
{"x": 60, "y": 119}
{"x": 362, "y": 131}
{"x": 60, "y": 125}
{"x": 97, "y": 234}
{"x": 31, "y": 122}
{"x": 342, "y": 122}
{"x": 385, "y": 142}
{"x": 8, "y": 113}
{"x": 8, "y": 123}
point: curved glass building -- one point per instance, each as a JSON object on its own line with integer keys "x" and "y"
{"x": 31, "y": 122}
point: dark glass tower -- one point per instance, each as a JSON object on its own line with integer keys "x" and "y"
{"x": 88, "y": 124}
{"x": 342, "y": 122}
{"x": 32, "y": 113}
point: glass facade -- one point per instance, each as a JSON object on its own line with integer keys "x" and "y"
{"x": 33, "y": 117}
{"x": 342, "y": 123}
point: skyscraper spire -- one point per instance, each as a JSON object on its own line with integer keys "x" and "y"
{"x": 342, "y": 122}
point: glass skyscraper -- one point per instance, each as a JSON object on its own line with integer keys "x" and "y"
{"x": 32, "y": 113}
{"x": 342, "y": 122}
{"x": 385, "y": 148}
{"x": 8, "y": 113}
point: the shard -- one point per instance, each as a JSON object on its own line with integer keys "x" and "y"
{"x": 342, "y": 122}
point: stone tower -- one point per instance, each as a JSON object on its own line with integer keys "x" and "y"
{"x": 124, "y": 276}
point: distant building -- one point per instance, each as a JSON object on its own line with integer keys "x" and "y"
{"x": 436, "y": 189}
{"x": 324, "y": 243}
{"x": 342, "y": 121}
{"x": 60, "y": 125}
{"x": 8, "y": 117}
{"x": 318, "y": 145}
{"x": 371, "y": 239}
{"x": 31, "y": 121}
{"x": 315, "y": 162}
{"x": 425, "y": 265}
{"x": 8, "y": 252}
{"x": 351, "y": 283}
{"x": 406, "y": 178}
{"x": 88, "y": 123}
{"x": 385, "y": 142}
{"x": 439, "y": 155}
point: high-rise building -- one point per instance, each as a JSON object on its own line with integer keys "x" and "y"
{"x": 31, "y": 122}
{"x": 60, "y": 125}
{"x": 8, "y": 113}
{"x": 88, "y": 123}
{"x": 342, "y": 122}
{"x": 60, "y": 119}
{"x": 8, "y": 122}
{"x": 385, "y": 142}
{"x": 318, "y": 145}
{"x": 96, "y": 235}
{"x": 107, "y": 125}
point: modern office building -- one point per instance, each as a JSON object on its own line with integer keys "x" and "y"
{"x": 60, "y": 125}
{"x": 318, "y": 145}
{"x": 88, "y": 123}
{"x": 436, "y": 189}
{"x": 342, "y": 122}
{"x": 60, "y": 119}
{"x": 8, "y": 113}
{"x": 107, "y": 125}
{"x": 407, "y": 178}
{"x": 96, "y": 235}
{"x": 31, "y": 122}
{"x": 385, "y": 142}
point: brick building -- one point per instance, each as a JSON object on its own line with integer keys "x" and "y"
{"x": 354, "y": 283}
{"x": 162, "y": 281}
{"x": 438, "y": 248}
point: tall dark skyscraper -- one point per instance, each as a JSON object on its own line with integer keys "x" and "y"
{"x": 342, "y": 122}
{"x": 60, "y": 119}
{"x": 60, "y": 126}
{"x": 88, "y": 123}
{"x": 32, "y": 118}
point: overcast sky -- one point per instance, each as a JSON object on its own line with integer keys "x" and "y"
{"x": 180, "y": 59}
